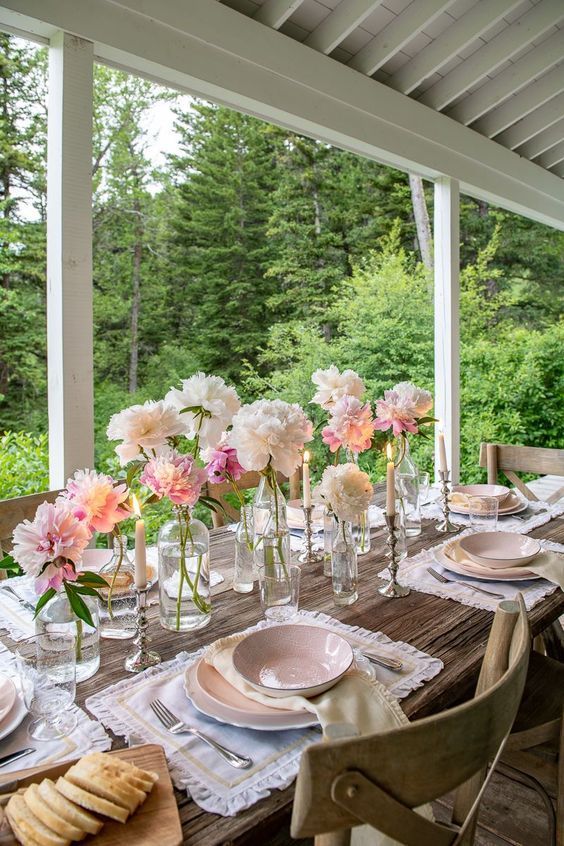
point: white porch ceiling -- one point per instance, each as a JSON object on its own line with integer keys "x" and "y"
{"x": 496, "y": 66}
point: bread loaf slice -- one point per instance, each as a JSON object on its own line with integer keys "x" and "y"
{"x": 91, "y": 801}
{"x": 68, "y": 810}
{"x": 106, "y": 765}
{"x": 18, "y": 812}
{"x": 108, "y": 786}
{"x": 42, "y": 810}
{"x": 125, "y": 767}
{"x": 20, "y": 836}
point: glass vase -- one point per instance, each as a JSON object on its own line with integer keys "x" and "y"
{"x": 184, "y": 573}
{"x": 329, "y": 526}
{"x": 344, "y": 565}
{"x": 117, "y": 603}
{"x": 361, "y": 533}
{"x": 407, "y": 489}
{"x": 271, "y": 533}
{"x": 58, "y": 618}
{"x": 244, "y": 572}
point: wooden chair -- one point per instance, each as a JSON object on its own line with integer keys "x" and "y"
{"x": 13, "y": 511}
{"x": 378, "y": 779}
{"x": 508, "y": 459}
{"x": 247, "y": 481}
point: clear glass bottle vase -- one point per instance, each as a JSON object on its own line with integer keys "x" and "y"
{"x": 344, "y": 567}
{"x": 57, "y": 617}
{"x": 244, "y": 573}
{"x": 184, "y": 573}
{"x": 329, "y": 526}
{"x": 361, "y": 533}
{"x": 271, "y": 533}
{"x": 407, "y": 489}
{"x": 117, "y": 603}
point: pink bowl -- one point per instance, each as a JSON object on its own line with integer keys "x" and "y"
{"x": 292, "y": 659}
{"x": 500, "y": 549}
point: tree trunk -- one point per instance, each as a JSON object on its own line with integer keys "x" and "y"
{"x": 136, "y": 295}
{"x": 422, "y": 225}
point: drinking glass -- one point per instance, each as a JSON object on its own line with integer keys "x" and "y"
{"x": 47, "y": 667}
{"x": 483, "y": 513}
{"x": 279, "y": 587}
{"x": 423, "y": 488}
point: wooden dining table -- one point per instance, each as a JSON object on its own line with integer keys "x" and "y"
{"x": 443, "y": 628}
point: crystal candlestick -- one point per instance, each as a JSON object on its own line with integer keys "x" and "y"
{"x": 309, "y": 556}
{"x": 445, "y": 524}
{"x": 141, "y": 657}
{"x": 392, "y": 589}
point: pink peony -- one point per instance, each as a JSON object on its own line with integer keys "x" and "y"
{"x": 55, "y": 537}
{"x": 397, "y": 412}
{"x": 350, "y": 425}
{"x": 54, "y": 575}
{"x": 97, "y": 499}
{"x": 222, "y": 465}
{"x": 175, "y": 476}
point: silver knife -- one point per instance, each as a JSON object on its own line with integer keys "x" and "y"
{"x": 23, "y": 602}
{"x": 13, "y": 756}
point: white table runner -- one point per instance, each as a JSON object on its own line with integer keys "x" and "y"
{"x": 537, "y": 514}
{"x": 214, "y": 785}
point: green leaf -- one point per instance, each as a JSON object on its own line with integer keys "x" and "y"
{"x": 43, "y": 600}
{"x": 89, "y": 578}
{"x": 194, "y": 409}
{"x": 7, "y": 563}
{"x": 427, "y": 420}
{"x": 132, "y": 471}
{"x": 78, "y": 605}
{"x": 87, "y": 591}
{"x": 212, "y": 504}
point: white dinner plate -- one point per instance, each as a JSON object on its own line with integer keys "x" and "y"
{"x": 7, "y": 695}
{"x": 514, "y": 574}
{"x": 213, "y": 696}
{"x": 514, "y": 505}
{"x": 12, "y": 720}
{"x": 94, "y": 560}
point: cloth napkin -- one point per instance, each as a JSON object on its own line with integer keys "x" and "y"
{"x": 88, "y": 735}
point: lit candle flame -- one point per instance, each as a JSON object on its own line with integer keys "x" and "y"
{"x": 136, "y": 506}
{"x": 306, "y": 457}
{"x": 390, "y": 452}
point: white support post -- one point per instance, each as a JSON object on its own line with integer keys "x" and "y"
{"x": 447, "y": 320}
{"x": 69, "y": 257}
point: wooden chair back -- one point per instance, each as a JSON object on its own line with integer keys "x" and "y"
{"x": 379, "y": 779}
{"x": 13, "y": 511}
{"x": 247, "y": 481}
{"x": 509, "y": 459}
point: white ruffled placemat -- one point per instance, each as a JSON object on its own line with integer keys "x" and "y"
{"x": 537, "y": 514}
{"x": 88, "y": 735}
{"x": 213, "y": 784}
{"x": 414, "y": 574}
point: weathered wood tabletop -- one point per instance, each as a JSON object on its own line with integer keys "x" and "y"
{"x": 446, "y": 629}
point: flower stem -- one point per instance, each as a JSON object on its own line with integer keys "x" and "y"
{"x": 115, "y": 573}
{"x": 79, "y": 632}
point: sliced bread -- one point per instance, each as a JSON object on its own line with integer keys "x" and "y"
{"x": 19, "y": 813}
{"x": 43, "y": 811}
{"x": 107, "y": 786}
{"x": 68, "y": 810}
{"x": 90, "y": 801}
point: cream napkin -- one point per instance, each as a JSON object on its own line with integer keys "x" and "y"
{"x": 549, "y": 564}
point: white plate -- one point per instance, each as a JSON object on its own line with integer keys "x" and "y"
{"x": 517, "y": 574}
{"x": 235, "y": 713}
{"x": 7, "y": 695}
{"x": 14, "y": 718}
{"x": 94, "y": 560}
{"x": 503, "y": 511}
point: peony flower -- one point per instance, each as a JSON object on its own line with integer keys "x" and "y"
{"x": 218, "y": 402}
{"x": 97, "y": 499}
{"x": 270, "y": 431}
{"x": 222, "y": 464}
{"x": 345, "y": 489}
{"x": 350, "y": 425}
{"x": 54, "y": 575}
{"x": 55, "y": 536}
{"x": 144, "y": 428}
{"x": 175, "y": 476}
{"x": 332, "y": 385}
{"x": 420, "y": 400}
{"x": 393, "y": 411}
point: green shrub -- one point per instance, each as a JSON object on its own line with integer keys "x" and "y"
{"x": 24, "y": 464}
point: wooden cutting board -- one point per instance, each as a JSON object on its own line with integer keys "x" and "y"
{"x": 155, "y": 823}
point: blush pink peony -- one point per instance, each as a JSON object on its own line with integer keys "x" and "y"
{"x": 97, "y": 499}
{"x": 222, "y": 465}
{"x": 175, "y": 476}
{"x": 350, "y": 425}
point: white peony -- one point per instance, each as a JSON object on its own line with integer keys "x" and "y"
{"x": 144, "y": 427}
{"x": 345, "y": 489}
{"x": 418, "y": 400}
{"x": 332, "y": 385}
{"x": 218, "y": 401}
{"x": 270, "y": 431}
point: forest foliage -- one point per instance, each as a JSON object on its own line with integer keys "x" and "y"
{"x": 259, "y": 255}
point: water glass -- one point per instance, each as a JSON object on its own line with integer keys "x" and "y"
{"x": 279, "y": 588}
{"x": 424, "y": 488}
{"x": 483, "y": 513}
{"x": 408, "y": 491}
{"x": 47, "y": 667}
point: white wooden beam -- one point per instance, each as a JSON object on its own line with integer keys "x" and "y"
{"x": 544, "y": 140}
{"x": 447, "y": 320}
{"x": 339, "y": 23}
{"x": 477, "y": 20}
{"x": 397, "y": 34}
{"x": 512, "y": 79}
{"x": 552, "y": 157}
{"x": 510, "y": 41}
{"x": 274, "y": 13}
{"x": 69, "y": 258}
{"x": 209, "y": 50}
{"x": 535, "y": 122}
{"x": 517, "y": 108}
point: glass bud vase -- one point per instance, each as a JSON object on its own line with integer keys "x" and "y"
{"x": 184, "y": 573}
{"x": 329, "y": 526}
{"x": 361, "y": 533}
{"x": 344, "y": 565}
{"x": 117, "y": 603}
{"x": 407, "y": 486}
{"x": 271, "y": 533}
{"x": 244, "y": 573}
{"x": 268, "y": 502}
{"x": 57, "y": 617}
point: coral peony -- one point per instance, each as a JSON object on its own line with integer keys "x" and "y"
{"x": 213, "y": 405}
{"x": 175, "y": 476}
{"x": 144, "y": 428}
{"x": 97, "y": 499}
{"x": 350, "y": 425}
{"x": 332, "y": 385}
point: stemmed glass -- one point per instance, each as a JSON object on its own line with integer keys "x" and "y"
{"x": 47, "y": 667}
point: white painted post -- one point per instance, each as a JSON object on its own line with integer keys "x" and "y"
{"x": 447, "y": 320}
{"x": 69, "y": 257}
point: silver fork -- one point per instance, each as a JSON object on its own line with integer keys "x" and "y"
{"x": 176, "y": 726}
{"x": 440, "y": 578}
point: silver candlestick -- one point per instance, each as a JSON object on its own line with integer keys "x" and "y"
{"x": 141, "y": 658}
{"x": 308, "y": 556}
{"x": 392, "y": 589}
{"x": 445, "y": 524}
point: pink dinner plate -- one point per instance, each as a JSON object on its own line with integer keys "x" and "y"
{"x": 512, "y": 505}
{"x": 7, "y": 695}
{"x": 500, "y": 550}
{"x": 454, "y": 559}
{"x": 499, "y": 492}
{"x": 293, "y": 659}
{"x": 213, "y": 696}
